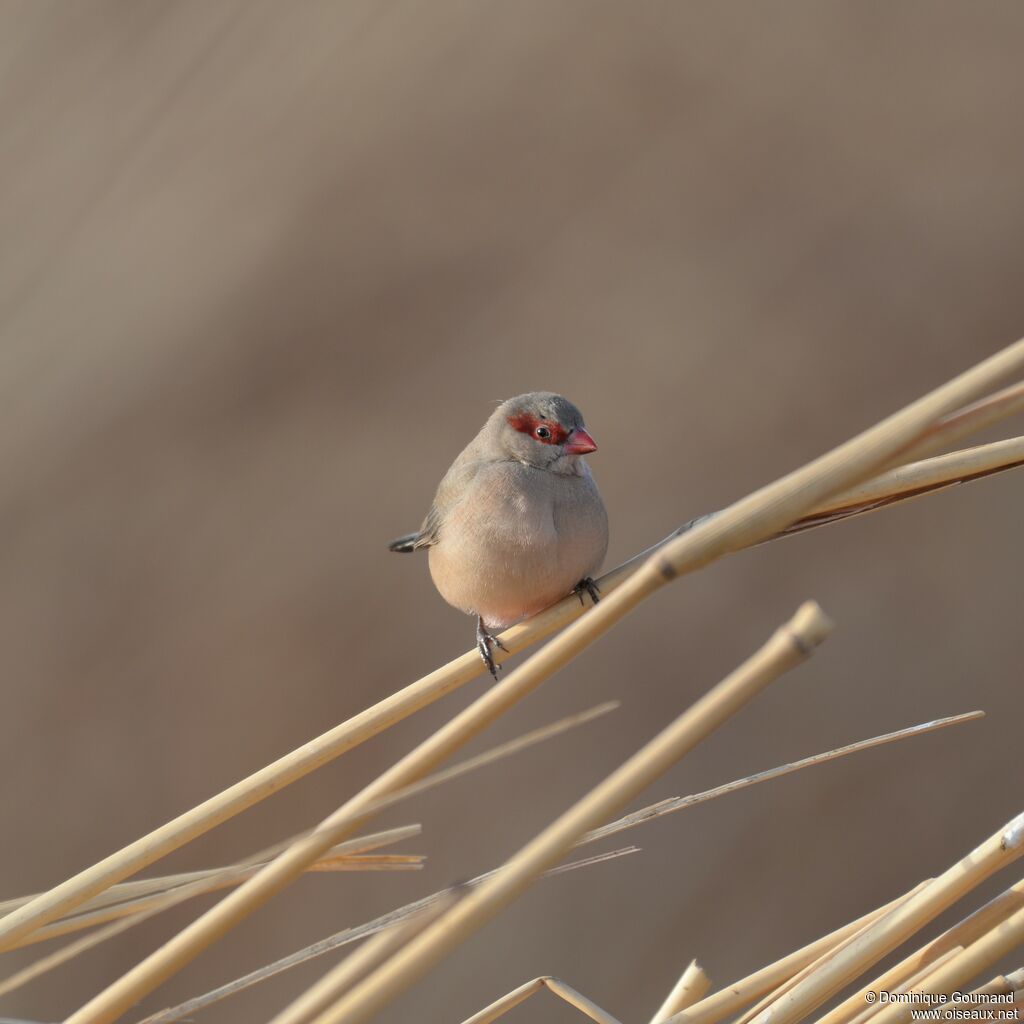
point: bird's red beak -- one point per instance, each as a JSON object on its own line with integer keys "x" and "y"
{"x": 580, "y": 443}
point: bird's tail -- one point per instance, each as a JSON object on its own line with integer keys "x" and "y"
{"x": 404, "y": 544}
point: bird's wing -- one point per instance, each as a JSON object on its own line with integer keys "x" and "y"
{"x": 452, "y": 491}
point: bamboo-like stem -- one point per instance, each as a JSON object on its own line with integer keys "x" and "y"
{"x": 370, "y": 954}
{"x": 895, "y": 927}
{"x": 626, "y": 822}
{"x": 749, "y": 520}
{"x": 951, "y": 976}
{"x": 345, "y": 937}
{"x": 223, "y": 806}
{"x": 787, "y": 647}
{"x": 735, "y": 997}
{"x": 963, "y": 933}
{"x": 693, "y": 984}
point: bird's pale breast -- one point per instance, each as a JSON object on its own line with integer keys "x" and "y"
{"x": 518, "y": 541}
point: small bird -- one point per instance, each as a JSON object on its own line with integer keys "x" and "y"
{"x": 517, "y": 522}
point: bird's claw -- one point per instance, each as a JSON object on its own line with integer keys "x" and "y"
{"x": 484, "y": 642}
{"x": 590, "y": 587}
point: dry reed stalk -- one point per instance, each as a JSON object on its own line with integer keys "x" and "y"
{"x": 971, "y": 419}
{"x": 916, "y": 978}
{"x": 512, "y": 999}
{"x": 53, "y": 960}
{"x": 954, "y": 974}
{"x": 791, "y": 982}
{"x": 332, "y": 744}
{"x": 915, "y": 480}
{"x": 895, "y": 927}
{"x": 925, "y": 972}
{"x": 680, "y": 803}
{"x": 735, "y": 997}
{"x": 164, "y": 883}
{"x": 144, "y": 907}
{"x": 172, "y": 898}
{"x": 343, "y": 938}
{"x": 576, "y": 999}
{"x": 220, "y": 878}
{"x": 215, "y": 882}
{"x": 368, "y": 862}
{"x": 1001, "y": 985}
{"x": 373, "y": 952}
{"x": 626, "y": 822}
{"x": 963, "y": 933}
{"x": 787, "y": 647}
{"x": 223, "y": 879}
{"x": 509, "y": 1001}
{"x": 748, "y": 521}
{"x": 693, "y": 984}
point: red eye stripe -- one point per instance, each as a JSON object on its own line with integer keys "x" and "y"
{"x": 527, "y": 424}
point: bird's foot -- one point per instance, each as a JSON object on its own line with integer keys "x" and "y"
{"x": 590, "y": 587}
{"x": 484, "y": 643}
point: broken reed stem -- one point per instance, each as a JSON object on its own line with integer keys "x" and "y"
{"x": 351, "y": 733}
{"x": 373, "y": 952}
{"x": 886, "y": 934}
{"x": 955, "y": 973}
{"x": 963, "y": 933}
{"x": 785, "y": 649}
{"x": 509, "y": 1001}
{"x": 576, "y": 999}
{"x": 731, "y": 999}
{"x": 555, "y": 986}
{"x": 693, "y": 984}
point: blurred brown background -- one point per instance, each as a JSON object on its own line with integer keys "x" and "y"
{"x": 264, "y": 270}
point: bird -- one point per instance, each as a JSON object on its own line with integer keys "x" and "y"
{"x": 517, "y": 522}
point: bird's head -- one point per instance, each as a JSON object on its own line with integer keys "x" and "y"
{"x": 543, "y": 430}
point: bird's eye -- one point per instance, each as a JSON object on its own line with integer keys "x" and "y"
{"x": 543, "y": 433}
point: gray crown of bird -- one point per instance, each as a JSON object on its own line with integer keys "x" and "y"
{"x": 517, "y": 522}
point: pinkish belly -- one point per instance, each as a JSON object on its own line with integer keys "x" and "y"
{"x": 505, "y": 590}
